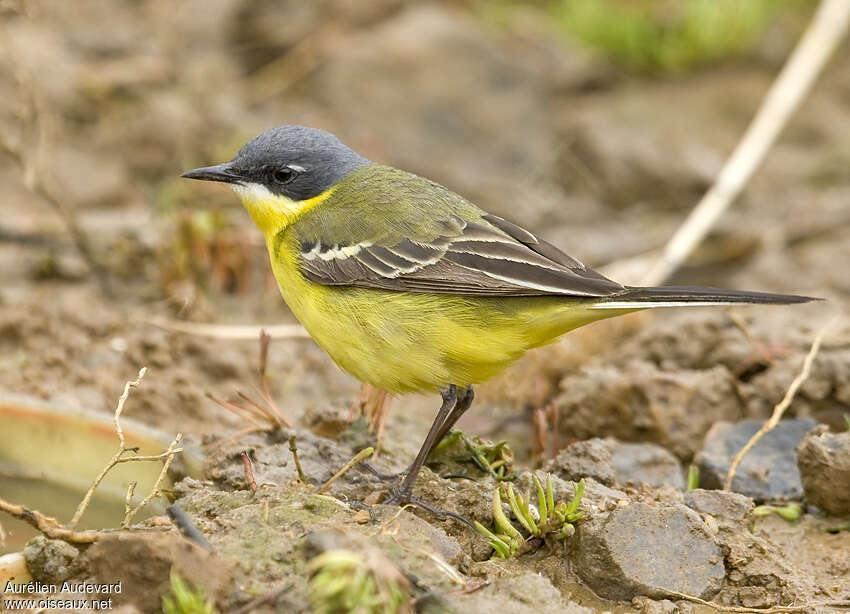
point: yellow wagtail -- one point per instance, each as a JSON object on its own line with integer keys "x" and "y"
{"x": 410, "y": 287}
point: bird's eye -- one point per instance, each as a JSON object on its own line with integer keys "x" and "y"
{"x": 283, "y": 175}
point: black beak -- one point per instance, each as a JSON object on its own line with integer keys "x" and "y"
{"x": 219, "y": 172}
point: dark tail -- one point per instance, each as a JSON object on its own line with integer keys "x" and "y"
{"x": 692, "y": 296}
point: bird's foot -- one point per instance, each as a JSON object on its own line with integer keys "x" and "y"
{"x": 400, "y": 497}
{"x": 383, "y": 477}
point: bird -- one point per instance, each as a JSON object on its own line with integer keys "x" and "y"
{"x": 410, "y": 287}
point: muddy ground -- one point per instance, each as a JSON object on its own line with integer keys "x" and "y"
{"x": 532, "y": 128}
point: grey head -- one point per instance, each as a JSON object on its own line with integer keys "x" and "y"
{"x": 293, "y": 161}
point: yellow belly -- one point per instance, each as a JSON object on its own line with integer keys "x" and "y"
{"x": 404, "y": 342}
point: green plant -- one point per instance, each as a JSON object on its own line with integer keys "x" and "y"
{"x": 551, "y": 522}
{"x": 666, "y": 35}
{"x": 184, "y": 600}
{"x": 495, "y": 459}
{"x": 361, "y": 583}
{"x": 693, "y": 478}
{"x": 790, "y": 512}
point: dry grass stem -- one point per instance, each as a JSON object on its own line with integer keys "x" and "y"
{"x": 827, "y": 29}
{"x": 780, "y": 407}
{"x": 358, "y": 458}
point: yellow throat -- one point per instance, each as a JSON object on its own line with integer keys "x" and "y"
{"x": 272, "y": 212}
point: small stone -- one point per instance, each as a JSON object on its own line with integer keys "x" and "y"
{"x": 719, "y": 503}
{"x": 645, "y": 463}
{"x": 824, "y": 462}
{"x": 585, "y": 459}
{"x": 648, "y": 550}
{"x": 361, "y": 517}
{"x": 768, "y": 471}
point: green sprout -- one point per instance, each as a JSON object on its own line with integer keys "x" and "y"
{"x": 838, "y": 528}
{"x": 348, "y": 581}
{"x": 847, "y": 421}
{"x": 551, "y": 522}
{"x": 790, "y": 512}
{"x": 496, "y": 459}
{"x": 184, "y": 600}
{"x": 693, "y": 478}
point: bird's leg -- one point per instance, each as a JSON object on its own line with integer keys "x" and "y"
{"x": 464, "y": 401}
{"x": 403, "y": 493}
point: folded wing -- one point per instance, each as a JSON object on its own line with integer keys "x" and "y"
{"x": 486, "y": 257}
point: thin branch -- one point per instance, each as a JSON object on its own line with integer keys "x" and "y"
{"x": 780, "y": 407}
{"x": 827, "y": 29}
{"x": 47, "y": 525}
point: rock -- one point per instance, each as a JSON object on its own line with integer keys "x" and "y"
{"x": 638, "y": 401}
{"x": 719, "y": 503}
{"x": 768, "y": 471}
{"x": 51, "y": 561}
{"x": 584, "y": 459}
{"x": 645, "y": 463}
{"x": 528, "y": 593}
{"x": 823, "y": 459}
{"x": 642, "y": 549}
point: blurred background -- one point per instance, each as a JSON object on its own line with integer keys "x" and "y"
{"x": 599, "y": 123}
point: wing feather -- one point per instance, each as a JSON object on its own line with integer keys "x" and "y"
{"x": 485, "y": 257}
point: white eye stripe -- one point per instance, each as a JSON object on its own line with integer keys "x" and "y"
{"x": 296, "y": 168}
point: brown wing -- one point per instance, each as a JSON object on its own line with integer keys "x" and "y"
{"x": 486, "y": 257}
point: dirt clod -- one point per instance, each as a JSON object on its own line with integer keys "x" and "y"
{"x": 642, "y": 549}
{"x": 824, "y": 462}
{"x": 585, "y": 459}
{"x": 719, "y": 503}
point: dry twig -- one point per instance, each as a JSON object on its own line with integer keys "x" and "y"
{"x": 119, "y": 457}
{"x": 828, "y": 28}
{"x": 173, "y": 448}
{"x": 358, "y": 458}
{"x": 294, "y": 450}
{"x": 780, "y": 407}
{"x": 47, "y": 525}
